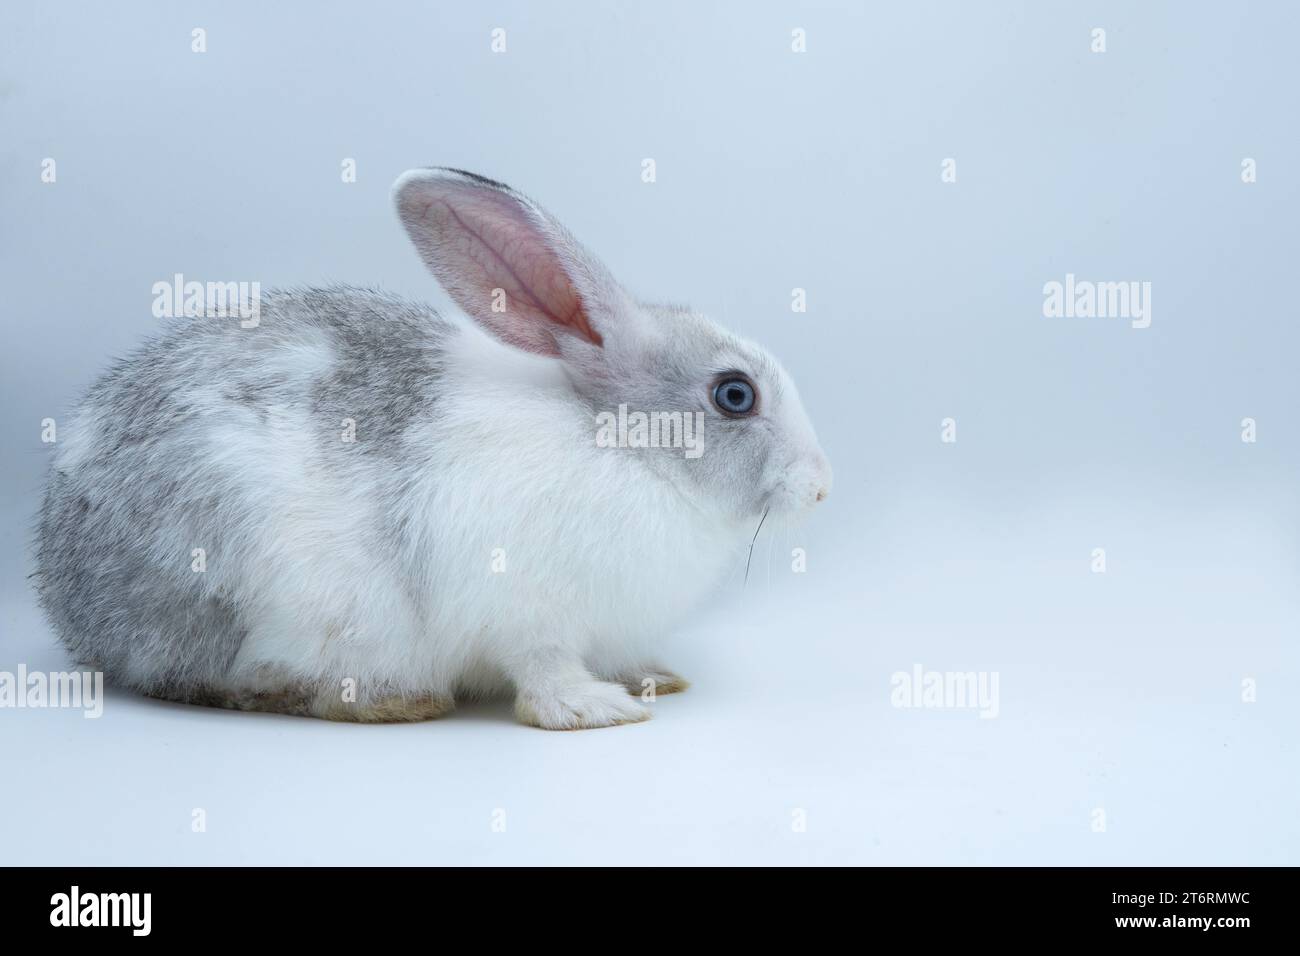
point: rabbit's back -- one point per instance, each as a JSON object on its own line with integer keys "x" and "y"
{"x": 190, "y": 466}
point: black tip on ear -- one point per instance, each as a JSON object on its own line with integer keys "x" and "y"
{"x": 475, "y": 177}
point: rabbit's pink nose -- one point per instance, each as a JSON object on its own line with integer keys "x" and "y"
{"x": 821, "y": 494}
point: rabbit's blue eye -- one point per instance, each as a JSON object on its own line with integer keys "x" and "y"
{"x": 735, "y": 396}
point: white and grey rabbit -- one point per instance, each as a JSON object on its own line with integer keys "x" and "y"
{"x": 359, "y": 509}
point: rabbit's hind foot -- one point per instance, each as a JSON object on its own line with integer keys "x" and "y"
{"x": 332, "y": 703}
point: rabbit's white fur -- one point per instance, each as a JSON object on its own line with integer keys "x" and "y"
{"x": 473, "y": 538}
{"x": 513, "y": 592}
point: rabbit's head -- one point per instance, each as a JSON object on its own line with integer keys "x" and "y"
{"x": 711, "y": 413}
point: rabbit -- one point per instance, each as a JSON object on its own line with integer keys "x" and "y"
{"x": 360, "y": 509}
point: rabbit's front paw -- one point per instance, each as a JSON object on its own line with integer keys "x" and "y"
{"x": 590, "y": 703}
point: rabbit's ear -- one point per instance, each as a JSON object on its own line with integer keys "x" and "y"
{"x": 507, "y": 263}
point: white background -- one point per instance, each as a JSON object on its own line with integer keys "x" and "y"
{"x": 1119, "y": 692}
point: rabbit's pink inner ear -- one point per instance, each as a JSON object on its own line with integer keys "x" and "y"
{"x": 494, "y": 259}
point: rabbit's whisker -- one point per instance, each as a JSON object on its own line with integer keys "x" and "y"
{"x": 750, "y": 559}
